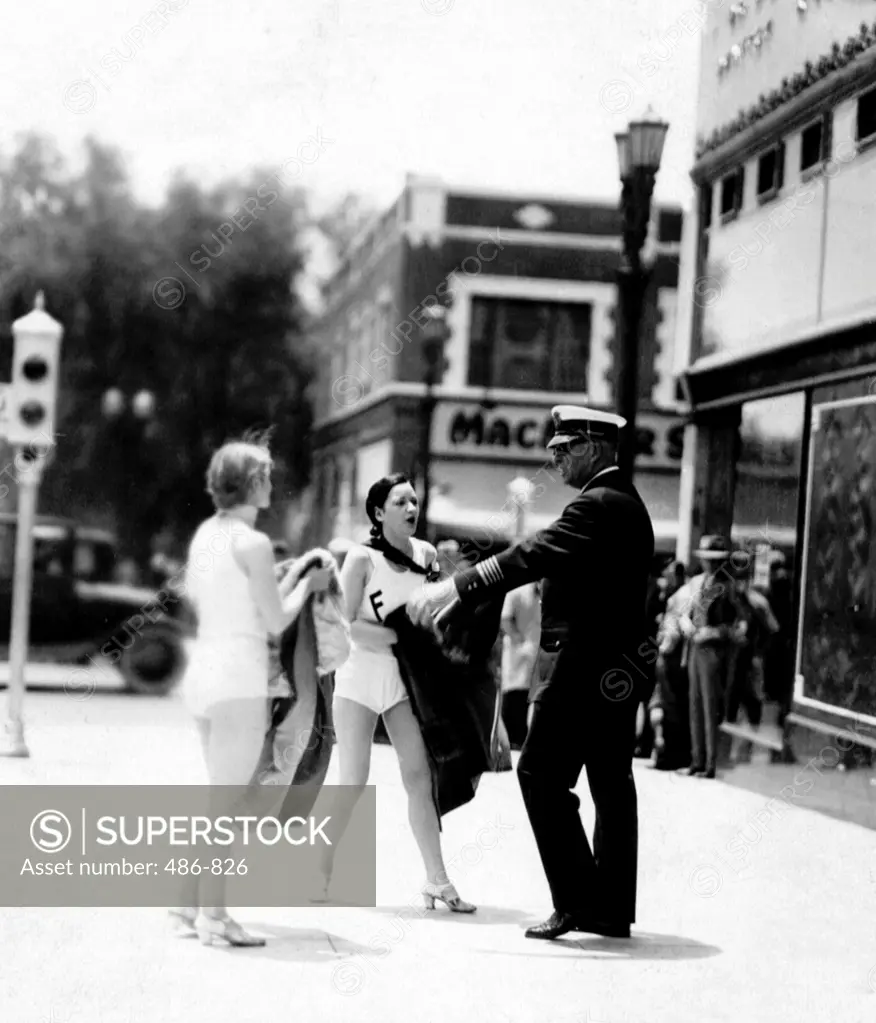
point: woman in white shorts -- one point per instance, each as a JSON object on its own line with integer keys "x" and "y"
{"x": 377, "y": 579}
{"x": 231, "y": 584}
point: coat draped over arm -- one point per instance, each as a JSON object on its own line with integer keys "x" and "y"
{"x": 300, "y": 736}
{"x": 455, "y": 695}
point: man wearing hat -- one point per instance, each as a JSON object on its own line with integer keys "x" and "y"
{"x": 706, "y": 617}
{"x": 594, "y": 561}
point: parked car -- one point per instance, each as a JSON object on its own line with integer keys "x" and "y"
{"x": 80, "y": 613}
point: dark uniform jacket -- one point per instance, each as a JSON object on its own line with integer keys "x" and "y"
{"x": 595, "y": 560}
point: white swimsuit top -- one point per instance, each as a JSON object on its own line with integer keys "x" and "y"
{"x": 388, "y": 587}
{"x": 218, "y": 586}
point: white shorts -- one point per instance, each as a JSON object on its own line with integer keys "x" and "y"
{"x": 372, "y": 679}
{"x": 220, "y": 671}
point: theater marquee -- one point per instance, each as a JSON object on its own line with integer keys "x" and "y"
{"x": 516, "y": 433}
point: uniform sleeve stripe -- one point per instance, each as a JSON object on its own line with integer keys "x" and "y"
{"x": 490, "y": 571}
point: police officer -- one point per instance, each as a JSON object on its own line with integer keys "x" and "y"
{"x": 595, "y": 561}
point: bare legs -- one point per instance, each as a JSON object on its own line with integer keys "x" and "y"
{"x": 232, "y": 735}
{"x": 404, "y": 733}
{"x": 354, "y": 732}
{"x": 354, "y": 726}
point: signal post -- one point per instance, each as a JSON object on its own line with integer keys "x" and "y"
{"x": 31, "y": 433}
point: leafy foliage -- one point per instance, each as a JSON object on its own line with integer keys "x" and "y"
{"x": 230, "y": 356}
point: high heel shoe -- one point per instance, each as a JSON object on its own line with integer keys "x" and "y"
{"x": 447, "y": 894}
{"x": 223, "y": 928}
{"x": 321, "y": 892}
{"x": 182, "y": 921}
{"x": 323, "y": 880}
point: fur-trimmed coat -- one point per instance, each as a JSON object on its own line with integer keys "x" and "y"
{"x": 298, "y": 745}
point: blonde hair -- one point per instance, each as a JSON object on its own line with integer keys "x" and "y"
{"x": 235, "y": 468}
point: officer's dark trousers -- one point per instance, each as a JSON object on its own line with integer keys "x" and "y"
{"x": 563, "y": 738}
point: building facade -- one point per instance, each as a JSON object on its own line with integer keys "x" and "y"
{"x": 529, "y": 286}
{"x": 780, "y": 334}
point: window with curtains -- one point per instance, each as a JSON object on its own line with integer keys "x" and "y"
{"x": 529, "y": 345}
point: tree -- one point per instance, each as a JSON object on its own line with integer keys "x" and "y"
{"x": 343, "y": 222}
{"x": 193, "y": 302}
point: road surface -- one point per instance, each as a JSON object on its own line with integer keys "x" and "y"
{"x": 750, "y": 909}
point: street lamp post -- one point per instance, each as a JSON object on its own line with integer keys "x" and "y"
{"x": 133, "y": 419}
{"x": 434, "y": 337}
{"x": 520, "y": 493}
{"x": 639, "y": 150}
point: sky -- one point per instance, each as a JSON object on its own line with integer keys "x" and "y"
{"x": 343, "y": 96}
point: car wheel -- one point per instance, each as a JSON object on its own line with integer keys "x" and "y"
{"x": 154, "y": 662}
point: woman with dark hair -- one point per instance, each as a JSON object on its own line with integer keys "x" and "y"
{"x": 377, "y": 579}
{"x": 238, "y": 602}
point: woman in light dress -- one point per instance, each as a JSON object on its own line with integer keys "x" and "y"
{"x": 377, "y": 579}
{"x": 231, "y": 583}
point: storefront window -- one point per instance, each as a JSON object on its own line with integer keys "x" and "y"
{"x": 768, "y": 471}
{"x": 838, "y": 595}
{"x": 521, "y": 344}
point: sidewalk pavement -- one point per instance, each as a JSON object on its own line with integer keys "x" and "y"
{"x": 750, "y": 909}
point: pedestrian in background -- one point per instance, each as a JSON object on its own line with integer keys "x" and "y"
{"x": 746, "y": 681}
{"x": 521, "y": 632}
{"x": 669, "y": 707}
{"x": 706, "y": 617}
{"x": 340, "y": 548}
{"x": 654, "y": 605}
{"x": 780, "y": 658}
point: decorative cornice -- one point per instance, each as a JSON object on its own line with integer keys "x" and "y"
{"x": 752, "y": 42}
{"x": 838, "y": 57}
{"x": 827, "y": 351}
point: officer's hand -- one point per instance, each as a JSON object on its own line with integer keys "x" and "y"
{"x": 418, "y": 609}
{"x": 428, "y": 600}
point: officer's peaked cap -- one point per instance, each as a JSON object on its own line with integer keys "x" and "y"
{"x": 575, "y": 422}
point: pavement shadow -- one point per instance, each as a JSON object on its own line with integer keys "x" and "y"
{"x": 295, "y": 944}
{"x": 642, "y": 945}
{"x": 484, "y": 914}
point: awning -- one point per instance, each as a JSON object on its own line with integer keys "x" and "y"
{"x": 842, "y": 347}
{"x": 478, "y": 522}
{"x": 460, "y": 520}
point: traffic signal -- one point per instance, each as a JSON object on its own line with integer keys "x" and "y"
{"x": 435, "y": 337}
{"x": 34, "y": 389}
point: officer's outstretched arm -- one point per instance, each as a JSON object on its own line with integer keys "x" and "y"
{"x": 565, "y": 544}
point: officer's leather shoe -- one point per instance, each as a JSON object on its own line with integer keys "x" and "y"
{"x": 561, "y": 923}
{"x": 556, "y": 925}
